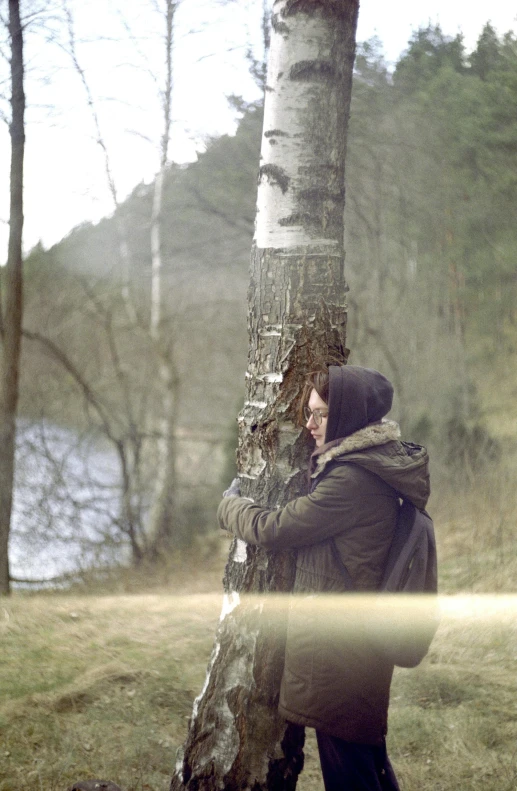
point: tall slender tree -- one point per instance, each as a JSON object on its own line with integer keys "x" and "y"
{"x": 11, "y": 304}
{"x": 163, "y": 530}
{"x": 296, "y": 316}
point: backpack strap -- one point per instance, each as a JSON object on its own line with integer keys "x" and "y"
{"x": 406, "y": 567}
{"x": 403, "y": 541}
{"x": 412, "y": 564}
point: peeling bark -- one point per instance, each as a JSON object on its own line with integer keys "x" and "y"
{"x": 297, "y": 316}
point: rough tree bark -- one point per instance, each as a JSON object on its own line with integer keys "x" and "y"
{"x": 11, "y": 314}
{"x": 296, "y": 315}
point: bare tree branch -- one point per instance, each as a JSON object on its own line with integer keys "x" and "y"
{"x": 242, "y": 224}
{"x": 135, "y": 42}
{"x": 123, "y": 245}
{"x": 90, "y": 396}
{"x": 91, "y": 102}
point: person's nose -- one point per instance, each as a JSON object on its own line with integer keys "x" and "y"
{"x": 311, "y": 423}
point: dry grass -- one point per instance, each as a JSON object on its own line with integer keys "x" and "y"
{"x": 99, "y": 686}
{"x": 103, "y": 687}
{"x": 494, "y": 369}
{"x": 476, "y": 528}
{"x": 453, "y": 724}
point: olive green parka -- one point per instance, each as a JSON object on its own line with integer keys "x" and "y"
{"x": 333, "y": 679}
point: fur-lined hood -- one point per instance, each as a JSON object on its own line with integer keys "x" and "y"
{"x": 377, "y": 448}
{"x": 368, "y": 437}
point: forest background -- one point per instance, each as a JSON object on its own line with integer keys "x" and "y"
{"x": 431, "y": 240}
{"x": 431, "y": 186}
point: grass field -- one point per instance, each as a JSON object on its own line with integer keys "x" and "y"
{"x": 102, "y": 686}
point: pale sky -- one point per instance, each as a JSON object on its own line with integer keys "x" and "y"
{"x": 65, "y": 184}
{"x": 394, "y": 22}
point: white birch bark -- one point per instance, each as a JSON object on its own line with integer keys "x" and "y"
{"x": 163, "y": 529}
{"x": 156, "y": 219}
{"x": 297, "y": 315}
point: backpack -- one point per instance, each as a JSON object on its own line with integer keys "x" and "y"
{"x": 403, "y": 626}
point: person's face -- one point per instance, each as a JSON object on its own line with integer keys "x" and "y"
{"x": 317, "y": 431}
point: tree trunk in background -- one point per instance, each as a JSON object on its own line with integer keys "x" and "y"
{"x": 297, "y": 315}
{"x": 164, "y": 530}
{"x": 12, "y": 298}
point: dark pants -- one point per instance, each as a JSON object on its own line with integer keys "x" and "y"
{"x": 355, "y": 767}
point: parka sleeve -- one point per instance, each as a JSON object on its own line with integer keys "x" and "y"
{"x": 334, "y": 504}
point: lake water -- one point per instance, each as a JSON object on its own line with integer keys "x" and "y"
{"x": 65, "y": 503}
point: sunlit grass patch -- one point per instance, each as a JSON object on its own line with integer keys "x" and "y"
{"x": 114, "y": 695}
{"x": 453, "y": 719}
{"x": 453, "y": 723}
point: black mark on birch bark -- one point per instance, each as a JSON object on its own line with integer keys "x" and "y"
{"x": 312, "y": 70}
{"x": 275, "y": 133}
{"x": 336, "y": 8}
{"x": 299, "y": 218}
{"x": 278, "y": 25}
{"x": 275, "y": 175}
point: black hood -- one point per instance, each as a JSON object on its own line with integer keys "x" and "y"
{"x": 357, "y": 396}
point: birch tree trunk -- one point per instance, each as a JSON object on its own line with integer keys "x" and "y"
{"x": 11, "y": 318}
{"x": 164, "y": 531}
{"x": 297, "y": 315}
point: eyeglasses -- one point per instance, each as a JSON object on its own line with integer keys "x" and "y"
{"x": 316, "y": 414}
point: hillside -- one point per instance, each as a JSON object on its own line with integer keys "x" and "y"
{"x": 430, "y": 240}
